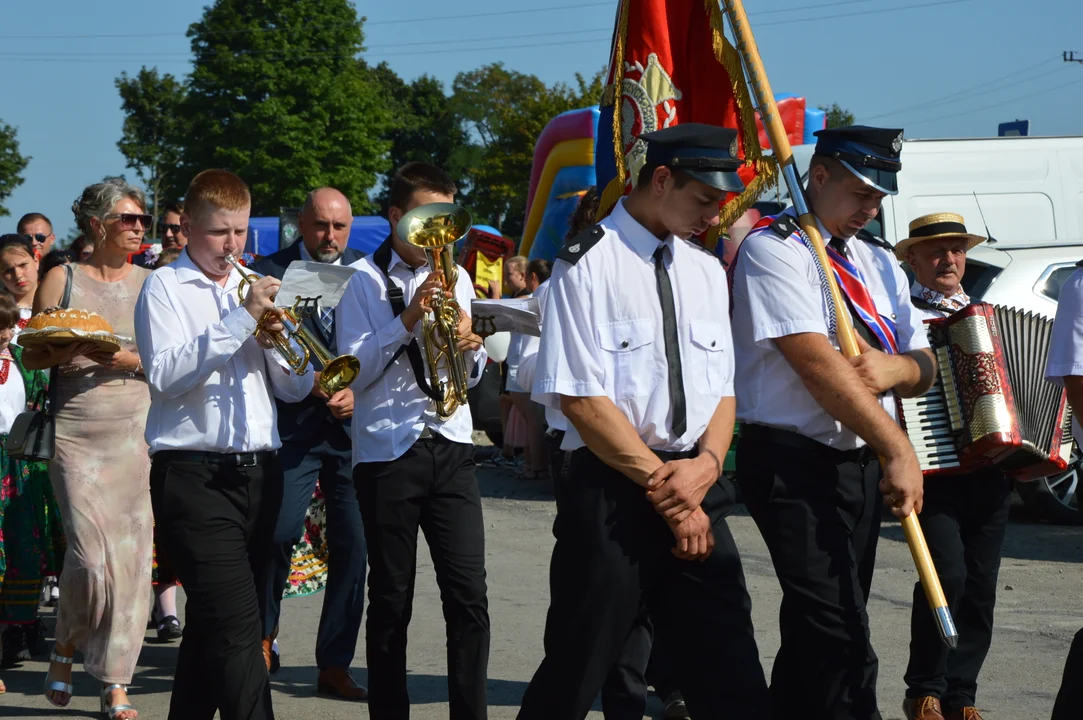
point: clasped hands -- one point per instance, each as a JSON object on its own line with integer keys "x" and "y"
{"x": 676, "y": 490}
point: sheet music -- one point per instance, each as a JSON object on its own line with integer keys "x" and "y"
{"x": 521, "y": 315}
{"x": 312, "y": 279}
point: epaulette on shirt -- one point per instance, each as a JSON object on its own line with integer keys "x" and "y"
{"x": 874, "y": 240}
{"x": 574, "y": 250}
{"x": 785, "y": 225}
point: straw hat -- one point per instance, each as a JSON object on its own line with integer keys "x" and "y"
{"x": 934, "y": 227}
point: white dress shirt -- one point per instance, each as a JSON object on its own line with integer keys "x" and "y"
{"x": 208, "y": 375}
{"x": 12, "y": 395}
{"x": 776, "y": 293}
{"x": 390, "y": 409}
{"x": 1066, "y": 345}
{"x": 528, "y": 362}
{"x": 604, "y": 335}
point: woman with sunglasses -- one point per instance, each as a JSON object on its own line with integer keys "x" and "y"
{"x": 101, "y": 471}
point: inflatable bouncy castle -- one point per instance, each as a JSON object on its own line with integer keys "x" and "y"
{"x": 564, "y": 168}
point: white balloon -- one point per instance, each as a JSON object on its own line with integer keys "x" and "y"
{"x": 497, "y": 346}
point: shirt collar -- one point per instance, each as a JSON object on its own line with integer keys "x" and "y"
{"x": 792, "y": 212}
{"x": 958, "y": 301}
{"x": 187, "y": 271}
{"x": 642, "y": 240}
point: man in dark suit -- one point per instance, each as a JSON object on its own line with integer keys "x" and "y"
{"x": 316, "y": 445}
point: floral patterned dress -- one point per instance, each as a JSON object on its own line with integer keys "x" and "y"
{"x": 31, "y": 535}
{"x": 308, "y": 566}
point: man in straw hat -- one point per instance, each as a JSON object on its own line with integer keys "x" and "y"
{"x": 965, "y": 515}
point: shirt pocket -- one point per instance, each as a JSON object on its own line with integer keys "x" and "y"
{"x": 708, "y": 359}
{"x": 628, "y": 349}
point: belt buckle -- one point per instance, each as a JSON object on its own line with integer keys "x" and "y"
{"x": 246, "y": 460}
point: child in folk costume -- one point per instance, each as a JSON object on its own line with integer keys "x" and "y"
{"x": 30, "y": 537}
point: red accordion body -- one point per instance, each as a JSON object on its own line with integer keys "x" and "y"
{"x": 991, "y": 404}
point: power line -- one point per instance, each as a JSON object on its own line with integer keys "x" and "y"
{"x": 975, "y": 90}
{"x": 863, "y": 12}
{"x": 179, "y": 58}
{"x": 499, "y": 13}
{"x": 998, "y": 104}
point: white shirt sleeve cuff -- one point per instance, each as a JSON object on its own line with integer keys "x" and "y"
{"x": 570, "y": 388}
{"x": 394, "y": 333}
{"x": 1063, "y": 370}
{"x": 762, "y": 333}
{"x": 240, "y": 324}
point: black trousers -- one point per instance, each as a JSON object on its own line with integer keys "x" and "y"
{"x": 1069, "y": 705}
{"x": 329, "y": 461}
{"x": 624, "y": 692}
{"x": 432, "y": 486}
{"x": 612, "y": 566}
{"x": 216, "y": 521}
{"x": 818, "y": 510}
{"x": 964, "y": 519}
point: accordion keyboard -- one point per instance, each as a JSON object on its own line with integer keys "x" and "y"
{"x": 932, "y": 419}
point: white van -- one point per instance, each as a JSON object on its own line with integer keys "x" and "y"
{"x": 1030, "y": 189}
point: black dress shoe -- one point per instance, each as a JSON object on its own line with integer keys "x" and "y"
{"x": 169, "y": 629}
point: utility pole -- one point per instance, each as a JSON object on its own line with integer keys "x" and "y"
{"x": 1070, "y": 56}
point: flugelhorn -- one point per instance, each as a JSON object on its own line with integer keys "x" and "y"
{"x": 338, "y": 372}
{"x": 436, "y": 228}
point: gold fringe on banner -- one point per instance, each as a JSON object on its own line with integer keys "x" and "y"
{"x": 614, "y": 191}
{"x": 766, "y": 167}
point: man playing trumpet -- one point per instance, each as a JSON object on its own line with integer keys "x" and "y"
{"x": 413, "y": 456}
{"x": 216, "y": 481}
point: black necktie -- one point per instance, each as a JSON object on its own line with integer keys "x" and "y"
{"x": 673, "y": 349}
{"x": 839, "y": 245}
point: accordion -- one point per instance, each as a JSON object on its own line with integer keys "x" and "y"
{"x": 991, "y": 404}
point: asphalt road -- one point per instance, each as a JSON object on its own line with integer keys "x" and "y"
{"x": 1040, "y": 607}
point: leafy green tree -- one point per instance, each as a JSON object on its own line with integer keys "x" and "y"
{"x": 278, "y": 95}
{"x": 837, "y": 116}
{"x": 426, "y": 127}
{"x": 12, "y": 164}
{"x": 153, "y": 130}
{"x": 506, "y": 111}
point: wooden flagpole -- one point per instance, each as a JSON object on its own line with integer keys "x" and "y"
{"x": 847, "y": 338}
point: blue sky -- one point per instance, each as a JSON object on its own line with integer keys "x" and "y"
{"x": 943, "y": 68}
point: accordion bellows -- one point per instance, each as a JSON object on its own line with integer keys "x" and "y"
{"x": 991, "y": 404}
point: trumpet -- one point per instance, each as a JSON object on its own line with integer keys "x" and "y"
{"x": 436, "y": 228}
{"x": 338, "y": 372}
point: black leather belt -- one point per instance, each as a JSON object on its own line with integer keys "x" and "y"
{"x": 788, "y": 438}
{"x": 212, "y": 458}
{"x": 669, "y": 456}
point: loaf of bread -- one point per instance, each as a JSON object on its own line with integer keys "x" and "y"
{"x": 70, "y": 319}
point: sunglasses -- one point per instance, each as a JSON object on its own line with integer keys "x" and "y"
{"x": 127, "y": 221}
{"x": 175, "y": 229}
{"x": 39, "y": 237}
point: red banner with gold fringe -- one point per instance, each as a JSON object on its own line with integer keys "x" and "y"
{"x": 673, "y": 64}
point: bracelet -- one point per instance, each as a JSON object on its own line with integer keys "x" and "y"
{"x": 717, "y": 462}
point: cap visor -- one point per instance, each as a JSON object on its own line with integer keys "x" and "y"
{"x": 728, "y": 181}
{"x": 882, "y": 180}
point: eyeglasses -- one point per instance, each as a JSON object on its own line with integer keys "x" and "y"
{"x": 128, "y": 220}
{"x": 173, "y": 228}
{"x": 39, "y": 237}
